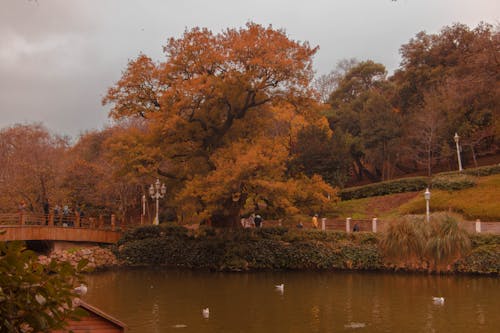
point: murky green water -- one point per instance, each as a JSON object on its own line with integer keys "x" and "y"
{"x": 154, "y": 300}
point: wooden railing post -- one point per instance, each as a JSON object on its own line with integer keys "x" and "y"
{"x": 113, "y": 222}
{"x": 22, "y": 218}
{"x": 51, "y": 219}
{"x": 101, "y": 221}
{"x": 92, "y": 222}
{"x": 478, "y": 226}
{"x": 374, "y": 224}
{"x": 348, "y": 225}
{"x": 323, "y": 223}
{"x": 77, "y": 219}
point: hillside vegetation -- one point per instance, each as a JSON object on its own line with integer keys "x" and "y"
{"x": 481, "y": 201}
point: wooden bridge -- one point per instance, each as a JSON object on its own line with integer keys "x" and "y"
{"x": 31, "y": 226}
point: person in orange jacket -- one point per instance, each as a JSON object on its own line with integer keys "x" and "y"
{"x": 315, "y": 221}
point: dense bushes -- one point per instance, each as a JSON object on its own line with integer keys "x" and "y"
{"x": 435, "y": 246}
{"x": 484, "y": 259}
{"x": 250, "y": 249}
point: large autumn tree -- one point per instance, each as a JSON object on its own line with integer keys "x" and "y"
{"x": 221, "y": 113}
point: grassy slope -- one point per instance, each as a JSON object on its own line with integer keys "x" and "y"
{"x": 479, "y": 202}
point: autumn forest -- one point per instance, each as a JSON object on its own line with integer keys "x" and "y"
{"x": 236, "y": 122}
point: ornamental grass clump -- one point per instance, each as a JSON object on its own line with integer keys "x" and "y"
{"x": 447, "y": 243}
{"x": 435, "y": 245}
{"x": 404, "y": 242}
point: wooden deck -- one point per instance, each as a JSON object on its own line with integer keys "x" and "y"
{"x": 96, "y": 321}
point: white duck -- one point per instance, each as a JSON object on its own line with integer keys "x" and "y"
{"x": 280, "y": 287}
{"x": 438, "y": 300}
{"x": 81, "y": 290}
{"x": 205, "y": 313}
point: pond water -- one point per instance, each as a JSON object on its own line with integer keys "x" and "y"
{"x": 160, "y": 300}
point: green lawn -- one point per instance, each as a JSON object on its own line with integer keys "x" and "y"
{"x": 479, "y": 202}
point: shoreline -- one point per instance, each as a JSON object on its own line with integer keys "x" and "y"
{"x": 103, "y": 259}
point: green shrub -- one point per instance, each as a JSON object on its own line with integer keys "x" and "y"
{"x": 153, "y": 231}
{"x": 484, "y": 259}
{"x": 452, "y": 182}
{"x": 484, "y": 239}
{"x": 362, "y": 257}
{"x": 383, "y": 188}
{"x": 250, "y": 249}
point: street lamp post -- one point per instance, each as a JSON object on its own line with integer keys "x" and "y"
{"x": 427, "y": 196}
{"x": 143, "y": 199}
{"x": 457, "y": 138}
{"x": 157, "y": 192}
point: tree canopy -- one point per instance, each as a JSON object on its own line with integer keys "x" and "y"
{"x": 220, "y": 112}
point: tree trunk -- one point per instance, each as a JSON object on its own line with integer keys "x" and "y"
{"x": 229, "y": 216}
{"x": 473, "y": 155}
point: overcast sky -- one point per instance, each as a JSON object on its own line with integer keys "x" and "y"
{"x": 58, "y": 57}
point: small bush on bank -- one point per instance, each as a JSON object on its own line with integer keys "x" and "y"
{"x": 453, "y": 182}
{"x": 484, "y": 239}
{"x": 483, "y": 259}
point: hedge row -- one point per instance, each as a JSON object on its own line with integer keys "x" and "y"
{"x": 277, "y": 248}
{"x": 250, "y": 249}
{"x": 383, "y": 188}
{"x": 452, "y": 182}
{"x": 448, "y": 181}
{"x": 478, "y": 172}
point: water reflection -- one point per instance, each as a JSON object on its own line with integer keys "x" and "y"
{"x": 156, "y": 300}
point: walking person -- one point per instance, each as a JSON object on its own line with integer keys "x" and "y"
{"x": 65, "y": 218}
{"x": 315, "y": 221}
{"x": 46, "y": 210}
{"x": 258, "y": 221}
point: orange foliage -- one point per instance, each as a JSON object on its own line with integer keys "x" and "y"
{"x": 30, "y": 158}
{"x": 221, "y": 112}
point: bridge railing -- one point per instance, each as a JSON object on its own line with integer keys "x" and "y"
{"x": 30, "y": 219}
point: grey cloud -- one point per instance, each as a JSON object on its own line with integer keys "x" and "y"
{"x": 58, "y": 57}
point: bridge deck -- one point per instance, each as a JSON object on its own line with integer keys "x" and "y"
{"x": 31, "y": 226}
{"x": 54, "y": 233}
